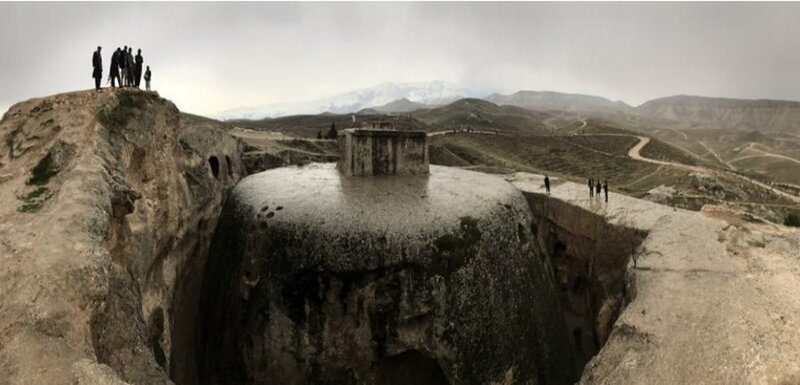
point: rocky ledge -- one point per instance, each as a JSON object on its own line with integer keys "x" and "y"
{"x": 715, "y": 298}
{"x": 108, "y": 201}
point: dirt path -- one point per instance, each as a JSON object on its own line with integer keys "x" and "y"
{"x": 717, "y": 156}
{"x": 656, "y": 171}
{"x": 643, "y": 140}
{"x": 436, "y": 133}
{"x": 634, "y": 153}
{"x": 764, "y": 154}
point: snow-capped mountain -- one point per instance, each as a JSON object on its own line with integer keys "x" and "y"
{"x": 431, "y": 93}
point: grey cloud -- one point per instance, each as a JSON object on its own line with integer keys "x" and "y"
{"x": 210, "y": 57}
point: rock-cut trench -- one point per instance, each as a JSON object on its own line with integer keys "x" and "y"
{"x": 513, "y": 288}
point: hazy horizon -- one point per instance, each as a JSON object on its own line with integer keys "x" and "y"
{"x": 211, "y": 57}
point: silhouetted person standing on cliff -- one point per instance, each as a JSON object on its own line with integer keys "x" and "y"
{"x": 138, "y": 68}
{"x": 547, "y": 184}
{"x": 97, "y": 73}
{"x": 122, "y": 60}
{"x": 147, "y": 76}
{"x": 605, "y": 188}
{"x": 598, "y": 187}
{"x": 591, "y": 187}
{"x": 129, "y": 68}
{"x": 113, "y": 72}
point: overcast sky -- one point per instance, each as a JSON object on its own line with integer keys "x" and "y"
{"x": 210, "y": 57}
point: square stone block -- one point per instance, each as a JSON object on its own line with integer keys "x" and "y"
{"x": 364, "y": 152}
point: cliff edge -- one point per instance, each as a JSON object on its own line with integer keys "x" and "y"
{"x": 107, "y": 201}
{"x": 714, "y": 297}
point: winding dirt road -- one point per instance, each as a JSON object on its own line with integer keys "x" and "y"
{"x": 635, "y": 153}
{"x": 762, "y": 154}
{"x": 643, "y": 140}
{"x": 436, "y": 133}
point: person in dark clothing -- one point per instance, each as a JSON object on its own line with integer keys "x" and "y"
{"x": 147, "y": 76}
{"x": 129, "y": 68}
{"x": 122, "y": 59}
{"x": 591, "y": 187}
{"x": 605, "y": 188}
{"x": 547, "y": 184}
{"x": 598, "y": 187}
{"x": 138, "y": 68}
{"x": 97, "y": 63}
{"x": 113, "y": 72}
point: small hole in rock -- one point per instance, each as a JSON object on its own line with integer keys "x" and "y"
{"x": 270, "y": 214}
{"x": 265, "y": 208}
{"x": 279, "y": 208}
{"x": 213, "y": 162}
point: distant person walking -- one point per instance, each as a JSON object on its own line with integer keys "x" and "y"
{"x": 97, "y": 64}
{"x": 591, "y": 187}
{"x": 138, "y": 68}
{"x": 605, "y": 188}
{"x": 147, "y": 76}
{"x": 123, "y": 60}
{"x": 547, "y": 184}
{"x": 598, "y": 187}
{"x": 113, "y": 72}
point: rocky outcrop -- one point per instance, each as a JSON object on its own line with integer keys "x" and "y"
{"x": 108, "y": 205}
{"x": 428, "y": 279}
{"x": 590, "y": 259}
{"x": 714, "y": 299}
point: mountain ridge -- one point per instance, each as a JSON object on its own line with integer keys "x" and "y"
{"x": 435, "y": 92}
{"x": 768, "y": 115}
{"x": 553, "y": 100}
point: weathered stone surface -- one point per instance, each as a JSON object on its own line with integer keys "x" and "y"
{"x": 364, "y": 152}
{"x": 126, "y": 202}
{"x": 321, "y": 278}
{"x": 715, "y": 296}
{"x": 590, "y": 258}
{"x": 88, "y": 372}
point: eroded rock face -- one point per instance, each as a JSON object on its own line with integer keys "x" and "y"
{"x": 318, "y": 278}
{"x": 108, "y": 203}
{"x": 590, "y": 257}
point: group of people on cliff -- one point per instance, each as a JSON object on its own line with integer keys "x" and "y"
{"x": 596, "y": 186}
{"x": 125, "y": 69}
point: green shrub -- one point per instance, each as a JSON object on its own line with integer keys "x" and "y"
{"x": 34, "y": 200}
{"x": 792, "y": 220}
{"x": 43, "y": 171}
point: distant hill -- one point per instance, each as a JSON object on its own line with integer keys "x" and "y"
{"x": 435, "y": 93}
{"x": 549, "y": 100}
{"x": 307, "y": 126}
{"x": 482, "y": 114}
{"x": 397, "y": 106}
{"x": 741, "y": 114}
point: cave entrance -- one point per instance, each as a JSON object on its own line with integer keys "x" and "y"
{"x": 410, "y": 368}
{"x": 213, "y": 162}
